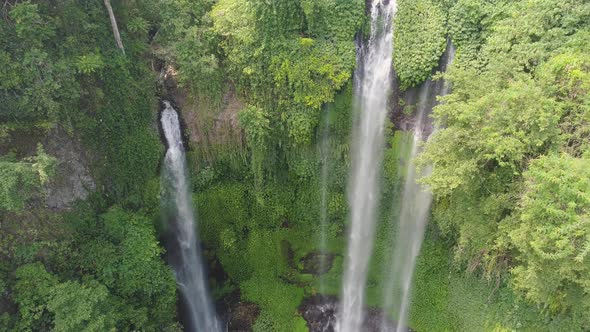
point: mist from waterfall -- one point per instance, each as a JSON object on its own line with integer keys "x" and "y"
{"x": 415, "y": 207}
{"x": 373, "y": 82}
{"x": 187, "y": 263}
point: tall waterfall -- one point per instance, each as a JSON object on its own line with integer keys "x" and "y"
{"x": 324, "y": 152}
{"x": 373, "y": 85}
{"x": 188, "y": 265}
{"x": 415, "y": 202}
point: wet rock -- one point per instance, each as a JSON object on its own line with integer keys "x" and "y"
{"x": 319, "y": 312}
{"x": 207, "y": 121}
{"x": 317, "y": 263}
{"x": 404, "y": 103}
{"x": 242, "y": 317}
{"x": 237, "y": 316}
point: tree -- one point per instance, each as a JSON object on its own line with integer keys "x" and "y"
{"x": 85, "y": 307}
{"x": 32, "y": 292}
{"x": 553, "y": 235}
{"x": 107, "y": 4}
{"x": 191, "y": 46}
{"x": 508, "y": 178}
{"x": 121, "y": 250}
{"x": 36, "y": 85}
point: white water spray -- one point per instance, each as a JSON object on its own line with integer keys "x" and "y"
{"x": 188, "y": 266}
{"x": 373, "y": 85}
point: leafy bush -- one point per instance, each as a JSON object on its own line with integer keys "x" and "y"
{"x": 82, "y": 307}
{"x": 419, "y": 40}
{"x": 121, "y": 250}
{"x": 552, "y": 240}
{"x": 20, "y": 180}
{"x": 32, "y": 291}
{"x": 469, "y": 26}
{"x": 277, "y": 300}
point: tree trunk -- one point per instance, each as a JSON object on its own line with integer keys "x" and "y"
{"x": 107, "y": 3}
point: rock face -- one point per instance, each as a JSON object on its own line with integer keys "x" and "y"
{"x": 243, "y": 316}
{"x": 320, "y": 313}
{"x": 404, "y": 104}
{"x": 317, "y": 263}
{"x": 210, "y": 124}
{"x": 72, "y": 180}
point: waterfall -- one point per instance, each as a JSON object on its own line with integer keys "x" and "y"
{"x": 416, "y": 201}
{"x": 187, "y": 263}
{"x": 324, "y": 152}
{"x": 372, "y": 87}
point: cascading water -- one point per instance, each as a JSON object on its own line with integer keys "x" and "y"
{"x": 373, "y": 85}
{"x": 187, "y": 265}
{"x": 416, "y": 201}
{"x": 324, "y": 153}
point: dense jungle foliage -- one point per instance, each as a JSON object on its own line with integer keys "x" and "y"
{"x": 265, "y": 89}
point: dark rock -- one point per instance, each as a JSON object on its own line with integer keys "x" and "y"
{"x": 319, "y": 312}
{"x": 317, "y": 263}
{"x": 243, "y": 316}
{"x": 237, "y": 316}
{"x": 285, "y": 223}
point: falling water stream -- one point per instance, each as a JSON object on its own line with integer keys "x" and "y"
{"x": 412, "y": 221}
{"x": 188, "y": 266}
{"x": 415, "y": 202}
{"x": 373, "y": 85}
{"x": 324, "y": 152}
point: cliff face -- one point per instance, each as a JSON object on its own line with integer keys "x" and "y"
{"x": 404, "y": 103}
{"x": 210, "y": 124}
{"x": 72, "y": 180}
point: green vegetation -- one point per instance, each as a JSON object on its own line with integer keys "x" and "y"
{"x": 105, "y": 275}
{"x": 88, "y": 269}
{"x": 508, "y": 178}
{"x": 289, "y": 58}
{"x": 419, "y": 40}
{"x": 550, "y": 237}
{"x": 263, "y": 86}
{"x": 22, "y": 179}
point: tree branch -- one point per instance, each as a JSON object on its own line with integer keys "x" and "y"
{"x": 107, "y": 3}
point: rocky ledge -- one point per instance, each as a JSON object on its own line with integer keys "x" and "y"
{"x": 320, "y": 313}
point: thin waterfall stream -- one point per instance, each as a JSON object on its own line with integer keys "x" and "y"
{"x": 415, "y": 201}
{"x": 187, "y": 263}
{"x": 372, "y": 87}
{"x": 412, "y": 222}
{"x": 324, "y": 154}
